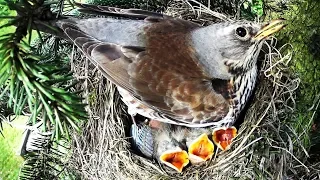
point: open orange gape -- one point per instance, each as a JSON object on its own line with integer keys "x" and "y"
{"x": 201, "y": 149}
{"x": 176, "y": 159}
{"x": 223, "y": 137}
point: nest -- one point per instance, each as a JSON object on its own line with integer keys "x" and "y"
{"x": 267, "y": 145}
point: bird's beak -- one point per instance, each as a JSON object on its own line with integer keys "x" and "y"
{"x": 176, "y": 159}
{"x": 223, "y": 137}
{"x": 269, "y": 29}
{"x": 201, "y": 149}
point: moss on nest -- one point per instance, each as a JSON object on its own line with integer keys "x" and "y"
{"x": 303, "y": 33}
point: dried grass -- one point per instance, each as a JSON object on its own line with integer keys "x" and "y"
{"x": 267, "y": 147}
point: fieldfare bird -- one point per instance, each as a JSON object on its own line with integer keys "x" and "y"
{"x": 223, "y": 137}
{"x": 170, "y": 148}
{"x": 200, "y": 147}
{"x": 172, "y": 70}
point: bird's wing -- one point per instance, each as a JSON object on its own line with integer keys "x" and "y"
{"x": 165, "y": 74}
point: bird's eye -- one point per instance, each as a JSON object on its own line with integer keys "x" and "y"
{"x": 241, "y": 32}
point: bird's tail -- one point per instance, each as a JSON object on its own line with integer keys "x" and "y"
{"x": 118, "y": 12}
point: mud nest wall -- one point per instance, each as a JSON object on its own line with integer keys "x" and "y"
{"x": 267, "y": 146}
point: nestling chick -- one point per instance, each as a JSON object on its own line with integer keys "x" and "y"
{"x": 170, "y": 147}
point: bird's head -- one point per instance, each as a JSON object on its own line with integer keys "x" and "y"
{"x": 243, "y": 41}
{"x": 234, "y": 45}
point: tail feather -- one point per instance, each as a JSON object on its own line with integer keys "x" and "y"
{"x": 117, "y": 31}
{"x": 112, "y": 11}
{"x": 125, "y": 32}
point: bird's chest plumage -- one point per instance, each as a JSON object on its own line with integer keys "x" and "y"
{"x": 243, "y": 88}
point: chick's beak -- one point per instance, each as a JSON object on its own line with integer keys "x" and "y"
{"x": 201, "y": 149}
{"x": 269, "y": 29}
{"x": 223, "y": 137}
{"x": 176, "y": 159}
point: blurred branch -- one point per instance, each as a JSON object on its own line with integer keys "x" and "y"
{"x": 49, "y": 163}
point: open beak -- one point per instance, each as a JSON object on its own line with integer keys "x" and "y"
{"x": 201, "y": 149}
{"x": 223, "y": 137}
{"x": 176, "y": 159}
{"x": 269, "y": 29}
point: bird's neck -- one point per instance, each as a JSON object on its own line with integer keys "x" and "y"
{"x": 205, "y": 45}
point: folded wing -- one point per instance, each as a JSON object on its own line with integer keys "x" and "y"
{"x": 159, "y": 67}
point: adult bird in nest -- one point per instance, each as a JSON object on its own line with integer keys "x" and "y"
{"x": 172, "y": 70}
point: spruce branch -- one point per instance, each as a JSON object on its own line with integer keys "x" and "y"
{"x": 36, "y": 82}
